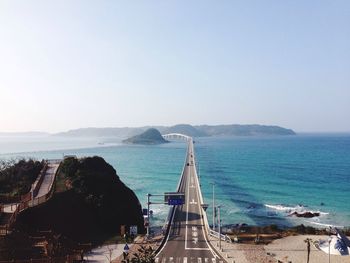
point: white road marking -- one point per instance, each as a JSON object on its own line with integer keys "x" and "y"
{"x": 197, "y": 248}
{"x": 206, "y": 260}
{"x": 199, "y": 260}
{"x": 171, "y": 259}
{"x": 213, "y": 260}
{"x": 193, "y": 202}
{"x": 185, "y": 260}
{"x": 156, "y": 260}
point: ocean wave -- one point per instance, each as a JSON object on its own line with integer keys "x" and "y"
{"x": 285, "y": 208}
{"x": 294, "y": 209}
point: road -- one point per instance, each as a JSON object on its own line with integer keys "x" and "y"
{"x": 187, "y": 241}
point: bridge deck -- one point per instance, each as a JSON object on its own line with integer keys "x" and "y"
{"x": 187, "y": 239}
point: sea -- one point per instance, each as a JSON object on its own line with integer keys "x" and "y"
{"x": 256, "y": 180}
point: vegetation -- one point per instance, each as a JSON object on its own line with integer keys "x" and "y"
{"x": 17, "y": 176}
{"x": 243, "y": 130}
{"x": 151, "y": 136}
{"x": 90, "y": 206}
{"x": 143, "y": 255}
{"x": 308, "y": 241}
{"x": 194, "y": 131}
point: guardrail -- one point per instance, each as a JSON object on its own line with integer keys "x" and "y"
{"x": 17, "y": 199}
{"x": 205, "y": 219}
{"x": 209, "y": 231}
{"x": 215, "y": 234}
{"x": 54, "y": 161}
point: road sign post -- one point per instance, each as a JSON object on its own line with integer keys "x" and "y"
{"x": 126, "y": 248}
{"x": 170, "y": 198}
{"x": 219, "y": 227}
{"x": 133, "y": 230}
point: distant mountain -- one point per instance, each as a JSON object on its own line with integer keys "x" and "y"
{"x": 150, "y": 136}
{"x": 23, "y": 134}
{"x": 102, "y": 132}
{"x": 193, "y": 131}
{"x": 185, "y": 129}
{"x": 243, "y": 130}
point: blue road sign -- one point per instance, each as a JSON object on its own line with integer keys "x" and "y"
{"x": 126, "y": 248}
{"x": 176, "y": 201}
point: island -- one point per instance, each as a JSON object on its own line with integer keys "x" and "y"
{"x": 187, "y": 129}
{"x": 150, "y": 136}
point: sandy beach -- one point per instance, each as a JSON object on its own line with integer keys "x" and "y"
{"x": 287, "y": 249}
{"x": 293, "y": 249}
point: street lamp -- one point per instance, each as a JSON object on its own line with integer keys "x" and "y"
{"x": 213, "y": 205}
{"x": 148, "y": 215}
{"x": 329, "y": 249}
{"x": 218, "y": 207}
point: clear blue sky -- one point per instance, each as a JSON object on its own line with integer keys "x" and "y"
{"x": 71, "y": 64}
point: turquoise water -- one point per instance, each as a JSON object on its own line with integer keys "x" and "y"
{"x": 257, "y": 180}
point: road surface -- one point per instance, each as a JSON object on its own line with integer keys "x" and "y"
{"x": 187, "y": 241}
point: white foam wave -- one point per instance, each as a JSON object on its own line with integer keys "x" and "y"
{"x": 292, "y": 209}
{"x": 285, "y": 208}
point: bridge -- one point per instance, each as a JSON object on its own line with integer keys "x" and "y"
{"x": 176, "y": 136}
{"x": 186, "y": 238}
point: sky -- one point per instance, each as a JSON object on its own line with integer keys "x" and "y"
{"x": 72, "y": 64}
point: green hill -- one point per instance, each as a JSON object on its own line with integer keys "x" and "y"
{"x": 90, "y": 204}
{"x": 150, "y": 136}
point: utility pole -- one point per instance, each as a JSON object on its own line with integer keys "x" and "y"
{"x": 213, "y": 206}
{"x": 219, "y": 226}
{"x": 329, "y": 249}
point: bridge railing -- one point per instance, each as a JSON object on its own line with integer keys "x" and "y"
{"x": 215, "y": 234}
{"x": 176, "y": 136}
{"x": 209, "y": 231}
{"x": 205, "y": 218}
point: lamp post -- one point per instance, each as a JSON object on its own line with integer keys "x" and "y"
{"x": 329, "y": 249}
{"x": 148, "y": 215}
{"x": 213, "y": 205}
{"x": 218, "y": 207}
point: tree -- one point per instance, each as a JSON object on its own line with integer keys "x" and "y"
{"x": 143, "y": 255}
{"x": 307, "y": 241}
